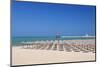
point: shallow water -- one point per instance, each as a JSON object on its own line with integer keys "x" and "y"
{"x": 16, "y": 40}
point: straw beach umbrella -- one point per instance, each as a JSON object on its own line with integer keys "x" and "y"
{"x": 23, "y": 43}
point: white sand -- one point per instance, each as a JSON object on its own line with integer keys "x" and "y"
{"x": 22, "y": 56}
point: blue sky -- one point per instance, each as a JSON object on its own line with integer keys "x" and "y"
{"x": 43, "y": 19}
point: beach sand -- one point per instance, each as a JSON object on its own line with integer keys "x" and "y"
{"x": 21, "y": 56}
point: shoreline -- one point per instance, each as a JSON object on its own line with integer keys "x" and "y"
{"x": 56, "y": 40}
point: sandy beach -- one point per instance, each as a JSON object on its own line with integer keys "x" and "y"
{"x": 48, "y": 33}
{"x": 24, "y": 56}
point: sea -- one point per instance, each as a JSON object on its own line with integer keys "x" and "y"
{"x": 16, "y": 41}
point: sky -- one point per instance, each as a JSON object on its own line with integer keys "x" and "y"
{"x": 47, "y": 19}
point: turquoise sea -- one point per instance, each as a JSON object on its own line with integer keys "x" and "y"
{"x": 17, "y": 40}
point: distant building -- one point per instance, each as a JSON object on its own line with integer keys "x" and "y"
{"x": 86, "y": 35}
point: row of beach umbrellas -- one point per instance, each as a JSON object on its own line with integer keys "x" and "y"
{"x": 61, "y": 45}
